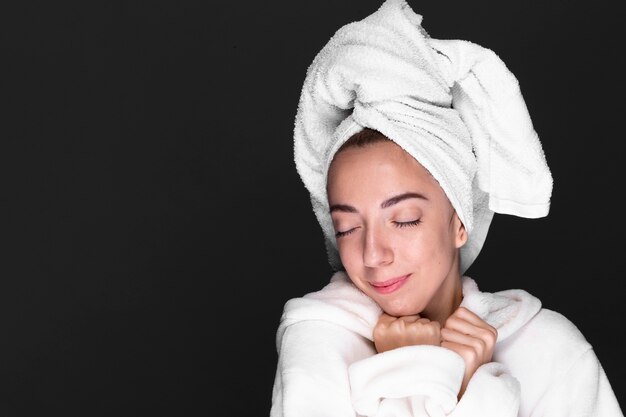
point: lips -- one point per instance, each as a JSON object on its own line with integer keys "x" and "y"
{"x": 389, "y": 286}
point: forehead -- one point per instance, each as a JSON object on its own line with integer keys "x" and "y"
{"x": 382, "y": 167}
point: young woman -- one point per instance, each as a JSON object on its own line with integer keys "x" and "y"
{"x": 408, "y": 145}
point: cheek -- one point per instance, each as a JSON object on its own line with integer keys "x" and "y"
{"x": 424, "y": 248}
{"x": 349, "y": 253}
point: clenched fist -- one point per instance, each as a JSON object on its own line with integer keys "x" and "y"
{"x": 468, "y": 335}
{"x": 393, "y": 332}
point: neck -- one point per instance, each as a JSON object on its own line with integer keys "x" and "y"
{"x": 446, "y": 300}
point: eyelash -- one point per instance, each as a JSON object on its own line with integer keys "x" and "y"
{"x": 399, "y": 225}
{"x": 342, "y": 234}
{"x": 407, "y": 224}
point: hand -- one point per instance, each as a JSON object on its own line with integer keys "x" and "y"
{"x": 468, "y": 335}
{"x": 393, "y": 332}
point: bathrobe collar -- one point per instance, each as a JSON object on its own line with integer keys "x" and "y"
{"x": 342, "y": 303}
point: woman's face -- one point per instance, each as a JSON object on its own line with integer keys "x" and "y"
{"x": 397, "y": 233}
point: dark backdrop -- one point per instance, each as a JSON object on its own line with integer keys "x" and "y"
{"x": 154, "y": 223}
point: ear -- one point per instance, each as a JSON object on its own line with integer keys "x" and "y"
{"x": 460, "y": 234}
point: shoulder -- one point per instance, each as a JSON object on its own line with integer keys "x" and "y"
{"x": 556, "y": 328}
{"x": 548, "y": 341}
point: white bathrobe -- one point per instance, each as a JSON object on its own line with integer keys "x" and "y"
{"x": 328, "y": 367}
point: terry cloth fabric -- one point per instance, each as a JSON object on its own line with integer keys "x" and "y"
{"x": 542, "y": 365}
{"x": 453, "y": 105}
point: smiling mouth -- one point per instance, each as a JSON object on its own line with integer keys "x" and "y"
{"x": 390, "y": 285}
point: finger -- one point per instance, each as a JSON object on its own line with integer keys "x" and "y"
{"x": 473, "y": 318}
{"x": 407, "y": 323}
{"x": 484, "y": 330}
{"x": 386, "y": 318}
{"x": 411, "y": 319}
{"x": 460, "y": 326}
{"x": 478, "y": 344}
{"x": 424, "y": 332}
{"x": 468, "y": 354}
{"x": 425, "y": 326}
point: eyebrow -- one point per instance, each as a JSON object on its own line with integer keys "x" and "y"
{"x": 387, "y": 203}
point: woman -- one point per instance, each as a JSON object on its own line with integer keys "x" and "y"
{"x": 377, "y": 193}
{"x": 408, "y": 145}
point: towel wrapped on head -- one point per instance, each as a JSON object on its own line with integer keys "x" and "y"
{"x": 451, "y": 104}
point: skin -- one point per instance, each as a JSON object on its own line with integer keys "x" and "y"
{"x": 393, "y": 220}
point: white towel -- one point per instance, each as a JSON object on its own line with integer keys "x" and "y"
{"x": 453, "y": 105}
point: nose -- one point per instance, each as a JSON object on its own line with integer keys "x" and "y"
{"x": 376, "y": 249}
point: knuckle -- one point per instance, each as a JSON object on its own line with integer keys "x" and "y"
{"x": 490, "y": 335}
{"x": 495, "y": 333}
{"x": 485, "y": 334}
{"x": 471, "y": 354}
{"x": 414, "y": 328}
{"x": 463, "y": 312}
{"x": 480, "y": 345}
{"x": 380, "y": 330}
{"x": 395, "y": 324}
{"x": 435, "y": 329}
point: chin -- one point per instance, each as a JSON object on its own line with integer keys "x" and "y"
{"x": 400, "y": 311}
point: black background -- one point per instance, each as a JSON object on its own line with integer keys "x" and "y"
{"x": 154, "y": 223}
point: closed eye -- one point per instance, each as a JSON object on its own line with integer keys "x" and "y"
{"x": 345, "y": 233}
{"x": 408, "y": 224}
{"x": 397, "y": 224}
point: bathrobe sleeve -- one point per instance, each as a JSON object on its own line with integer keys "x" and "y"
{"x": 312, "y": 372}
{"x": 425, "y": 380}
{"x": 583, "y": 391}
{"x": 337, "y": 373}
